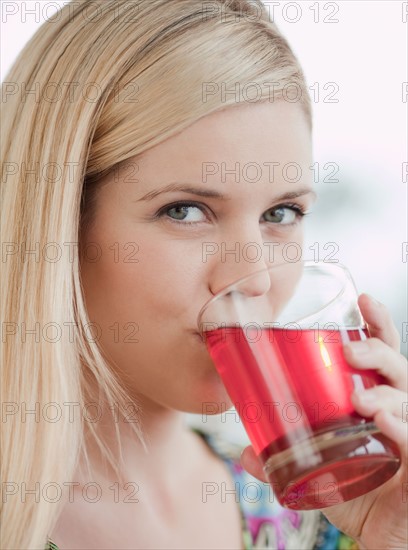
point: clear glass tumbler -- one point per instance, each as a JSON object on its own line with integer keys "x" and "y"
{"x": 276, "y": 339}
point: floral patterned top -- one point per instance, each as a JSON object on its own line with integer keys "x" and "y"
{"x": 265, "y": 523}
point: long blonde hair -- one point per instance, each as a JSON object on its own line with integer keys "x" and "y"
{"x": 100, "y": 82}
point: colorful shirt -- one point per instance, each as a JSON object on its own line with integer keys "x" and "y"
{"x": 265, "y": 523}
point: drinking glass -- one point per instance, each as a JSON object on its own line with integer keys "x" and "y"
{"x": 276, "y": 338}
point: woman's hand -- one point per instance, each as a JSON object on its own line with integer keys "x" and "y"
{"x": 377, "y": 520}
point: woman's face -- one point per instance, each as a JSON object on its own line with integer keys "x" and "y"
{"x": 151, "y": 264}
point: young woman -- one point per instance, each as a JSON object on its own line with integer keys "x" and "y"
{"x": 112, "y": 184}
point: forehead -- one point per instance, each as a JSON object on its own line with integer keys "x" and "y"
{"x": 244, "y": 143}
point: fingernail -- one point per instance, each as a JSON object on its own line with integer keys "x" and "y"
{"x": 357, "y": 348}
{"x": 373, "y": 300}
{"x": 365, "y": 396}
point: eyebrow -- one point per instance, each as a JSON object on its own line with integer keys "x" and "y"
{"x": 211, "y": 193}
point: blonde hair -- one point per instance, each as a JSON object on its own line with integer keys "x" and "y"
{"x": 99, "y": 83}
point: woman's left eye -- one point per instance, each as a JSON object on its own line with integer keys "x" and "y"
{"x": 284, "y": 215}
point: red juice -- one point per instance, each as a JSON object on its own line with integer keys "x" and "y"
{"x": 291, "y": 389}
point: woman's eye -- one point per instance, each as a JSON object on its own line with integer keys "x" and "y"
{"x": 192, "y": 213}
{"x": 187, "y": 213}
{"x": 284, "y": 215}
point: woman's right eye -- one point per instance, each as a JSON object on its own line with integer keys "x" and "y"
{"x": 179, "y": 213}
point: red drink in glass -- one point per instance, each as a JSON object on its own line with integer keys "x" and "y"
{"x": 291, "y": 389}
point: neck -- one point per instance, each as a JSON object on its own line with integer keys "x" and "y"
{"x": 170, "y": 446}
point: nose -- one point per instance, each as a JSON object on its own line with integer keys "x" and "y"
{"x": 243, "y": 260}
{"x": 256, "y": 283}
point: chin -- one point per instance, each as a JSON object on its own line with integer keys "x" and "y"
{"x": 209, "y": 398}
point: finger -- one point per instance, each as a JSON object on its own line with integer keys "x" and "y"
{"x": 252, "y": 464}
{"x": 375, "y": 354}
{"x": 379, "y": 321}
{"x": 382, "y": 398}
{"x": 394, "y": 428}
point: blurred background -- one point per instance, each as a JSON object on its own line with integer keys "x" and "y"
{"x": 354, "y": 55}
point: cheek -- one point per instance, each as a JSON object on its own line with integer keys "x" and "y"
{"x": 155, "y": 284}
{"x": 146, "y": 312}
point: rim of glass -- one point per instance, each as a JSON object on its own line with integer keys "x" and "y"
{"x": 306, "y": 263}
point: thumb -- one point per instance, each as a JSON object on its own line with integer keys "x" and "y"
{"x": 251, "y": 463}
